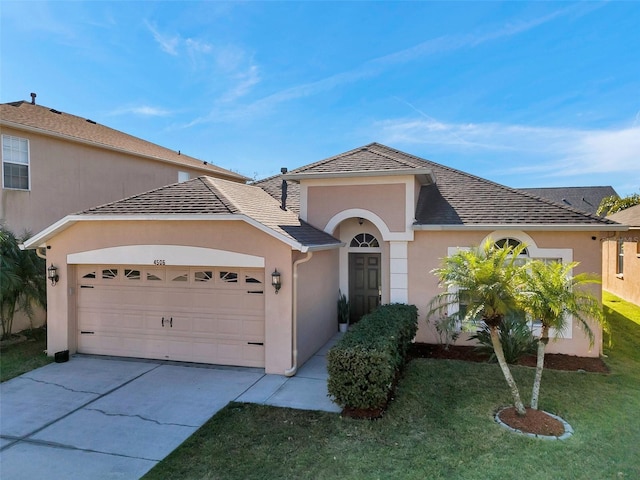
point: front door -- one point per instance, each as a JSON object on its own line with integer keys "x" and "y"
{"x": 364, "y": 284}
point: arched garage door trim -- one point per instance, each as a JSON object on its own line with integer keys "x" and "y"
{"x": 177, "y": 255}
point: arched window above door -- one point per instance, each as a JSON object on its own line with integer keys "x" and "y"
{"x": 364, "y": 240}
{"x": 513, "y": 243}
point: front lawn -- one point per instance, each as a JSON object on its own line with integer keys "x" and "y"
{"x": 440, "y": 426}
{"x": 22, "y": 357}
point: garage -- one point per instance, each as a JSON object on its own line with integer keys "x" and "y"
{"x": 195, "y": 314}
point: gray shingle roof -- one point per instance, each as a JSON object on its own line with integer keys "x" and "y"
{"x": 372, "y": 157}
{"x": 210, "y": 196}
{"x": 457, "y": 198}
{"x": 50, "y": 121}
{"x": 586, "y": 199}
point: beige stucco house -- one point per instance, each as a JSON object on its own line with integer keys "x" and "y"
{"x": 184, "y": 272}
{"x": 621, "y": 257}
{"x": 55, "y": 163}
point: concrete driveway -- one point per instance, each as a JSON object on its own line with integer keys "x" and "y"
{"x": 104, "y": 418}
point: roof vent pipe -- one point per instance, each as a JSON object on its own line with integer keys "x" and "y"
{"x": 33, "y": 98}
{"x": 283, "y": 206}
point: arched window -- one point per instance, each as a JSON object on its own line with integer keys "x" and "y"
{"x": 364, "y": 240}
{"x": 513, "y": 243}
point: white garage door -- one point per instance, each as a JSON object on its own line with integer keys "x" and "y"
{"x": 194, "y": 314}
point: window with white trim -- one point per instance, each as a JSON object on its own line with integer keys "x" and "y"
{"x": 183, "y": 176}
{"x": 15, "y": 163}
{"x": 364, "y": 240}
{"x": 620, "y": 258}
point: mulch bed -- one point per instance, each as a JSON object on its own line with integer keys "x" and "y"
{"x": 535, "y": 421}
{"x": 553, "y": 361}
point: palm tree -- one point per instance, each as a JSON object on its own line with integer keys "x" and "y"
{"x": 486, "y": 279}
{"x": 22, "y": 281}
{"x": 552, "y": 295}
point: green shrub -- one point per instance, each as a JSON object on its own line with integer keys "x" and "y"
{"x": 363, "y": 364}
{"x": 515, "y": 336}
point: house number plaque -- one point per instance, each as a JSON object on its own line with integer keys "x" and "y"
{"x": 159, "y": 262}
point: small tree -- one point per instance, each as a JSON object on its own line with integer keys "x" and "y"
{"x": 613, "y": 204}
{"x": 22, "y": 281}
{"x": 487, "y": 279}
{"x": 551, "y": 295}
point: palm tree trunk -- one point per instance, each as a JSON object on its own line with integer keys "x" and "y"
{"x": 497, "y": 348}
{"x": 542, "y": 343}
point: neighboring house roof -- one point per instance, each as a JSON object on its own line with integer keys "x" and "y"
{"x": 205, "y": 198}
{"x": 586, "y": 199}
{"x": 454, "y": 199}
{"x": 629, "y": 216}
{"x": 48, "y": 121}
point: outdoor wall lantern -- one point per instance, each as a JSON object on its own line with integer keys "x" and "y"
{"x": 275, "y": 280}
{"x": 52, "y": 274}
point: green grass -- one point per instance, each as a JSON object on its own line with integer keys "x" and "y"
{"x": 22, "y": 357}
{"x": 440, "y": 426}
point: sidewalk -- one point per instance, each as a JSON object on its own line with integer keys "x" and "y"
{"x": 307, "y": 390}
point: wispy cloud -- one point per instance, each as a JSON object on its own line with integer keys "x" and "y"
{"x": 544, "y": 151}
{"x": 168, "y": 43}
{"x": 244, "y": 83}
{"x": 229, "y": 65}
{"x": 141, "y": 110}
{"x": 377, "y": 66}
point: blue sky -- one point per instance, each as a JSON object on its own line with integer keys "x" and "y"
{"x": 528, "y": 94}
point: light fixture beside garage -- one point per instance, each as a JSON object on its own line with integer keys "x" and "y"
{"x": 275, "y": 280}
{"x": 52, "y": 274}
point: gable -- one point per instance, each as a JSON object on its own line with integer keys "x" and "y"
{"x": 447, "y": 197}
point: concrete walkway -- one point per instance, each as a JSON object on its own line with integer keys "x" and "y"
{"x": 105, "y": 418}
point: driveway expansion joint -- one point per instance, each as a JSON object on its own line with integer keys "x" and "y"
{"x": 141, "y": 418}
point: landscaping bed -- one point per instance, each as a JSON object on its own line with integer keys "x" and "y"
{"x": 552, "y": 361}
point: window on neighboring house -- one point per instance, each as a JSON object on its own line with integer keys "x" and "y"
{"x": 183, "y": 176}
{"x": 15, "y": 162}
{"x": 620, "y": 258}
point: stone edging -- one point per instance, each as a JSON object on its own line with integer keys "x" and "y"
{"x": 568, "y": 430}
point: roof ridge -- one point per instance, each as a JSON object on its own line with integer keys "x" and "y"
{"x": 329, "y": 159}
{"x": 227, "y": 201}
{"x": 75, "y": 128}
{"x": 386, "y": 155}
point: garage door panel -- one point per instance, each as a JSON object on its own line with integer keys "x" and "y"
{"x": 207, "y": 318}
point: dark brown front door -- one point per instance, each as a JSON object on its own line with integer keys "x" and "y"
{"x": 364, "y": 283}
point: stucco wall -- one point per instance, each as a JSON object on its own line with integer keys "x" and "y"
{"x": 317, "y": 302}
{"x": 69, "y": 177}
{"x": 426, "y": 252}
{"x": 627, "y": 285}
{"x": 385, "y": 200}
{"x": 233, "y": 236}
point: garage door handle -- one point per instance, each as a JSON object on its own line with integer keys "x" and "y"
{"x": 255, "y": 343}
{"x": 171, "y": 322}
{"x": 163, "y": 321}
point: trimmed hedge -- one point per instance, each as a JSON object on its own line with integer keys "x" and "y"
{"x": 362, "y": 366}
